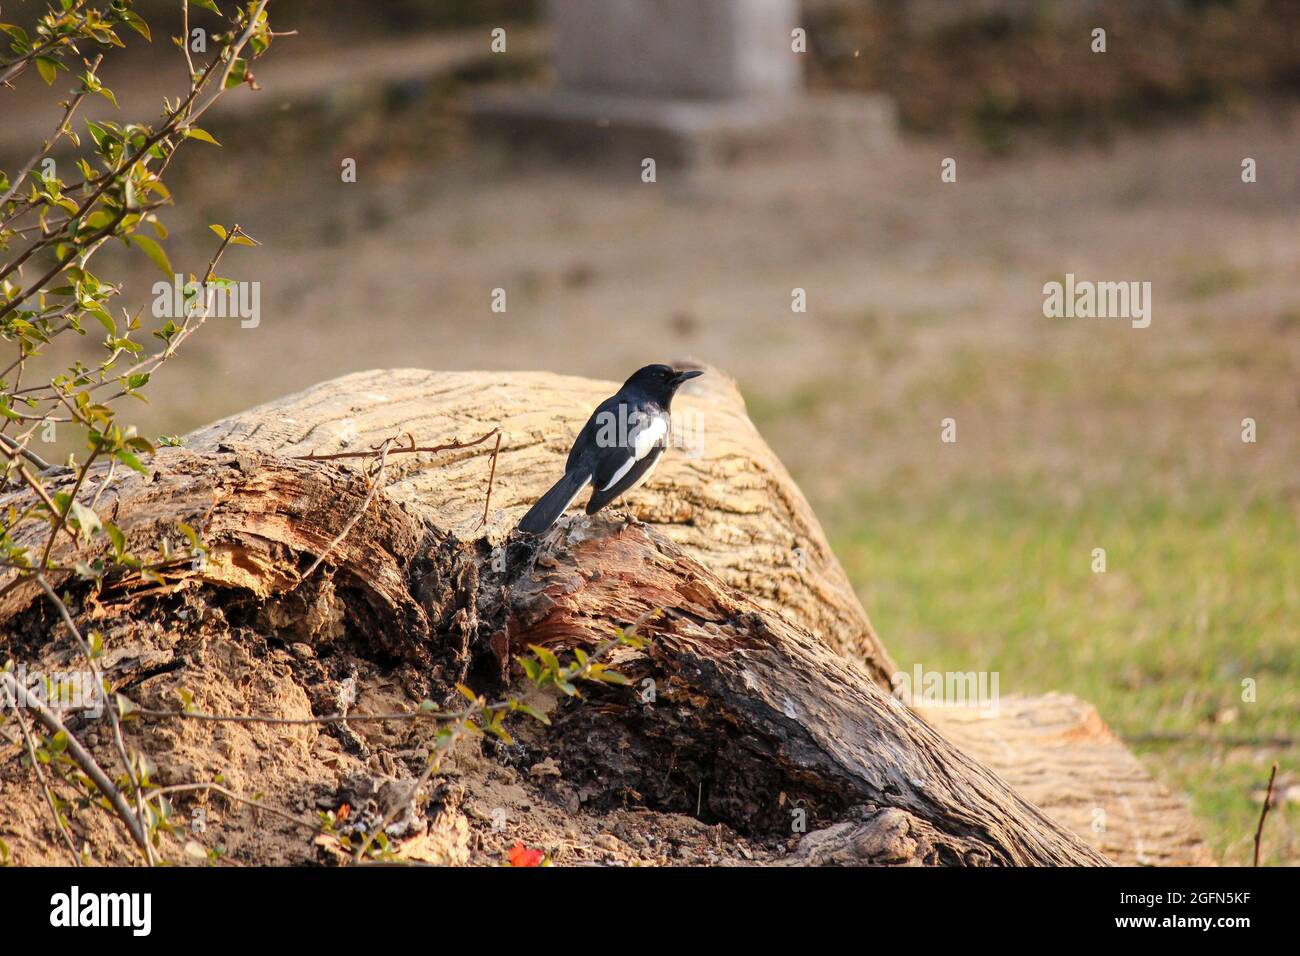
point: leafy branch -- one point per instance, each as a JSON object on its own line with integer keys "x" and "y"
{"x": 51, "y": 228}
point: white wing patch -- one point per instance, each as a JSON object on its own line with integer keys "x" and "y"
{"x": 649, "y": 436}
{"x": 643, "y": 441}
{"x": 619, "y": 474}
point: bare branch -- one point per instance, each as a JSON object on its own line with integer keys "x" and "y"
{"x": 59, "y": 823}
{"x": 83, "y": 759}
{"x": 15, "y": 448}
{"x": 1263, "y": 813}
{"x": 115, "y": 718}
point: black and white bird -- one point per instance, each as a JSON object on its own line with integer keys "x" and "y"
{"x": 617, "y": 449}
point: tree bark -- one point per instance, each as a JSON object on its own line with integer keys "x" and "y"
{"x": 755, "y": 710}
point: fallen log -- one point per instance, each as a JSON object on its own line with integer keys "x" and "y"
{"x": 768, "y": 712}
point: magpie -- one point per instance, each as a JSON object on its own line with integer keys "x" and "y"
{"x": 617, "y": 449}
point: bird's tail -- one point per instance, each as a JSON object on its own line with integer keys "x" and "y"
{"x": 552, "y": 504}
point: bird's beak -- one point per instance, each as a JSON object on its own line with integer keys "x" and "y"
{"x": 690, "y": 373}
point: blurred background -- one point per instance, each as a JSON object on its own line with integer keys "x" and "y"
{"x": 479, "y": 170}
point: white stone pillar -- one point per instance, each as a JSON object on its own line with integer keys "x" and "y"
{"x": 676, "y": 49}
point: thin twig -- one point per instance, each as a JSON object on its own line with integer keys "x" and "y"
{"x": 49, "y": 144}
{"x": 377, "y": 457}
{"x": 82, "y": 758}
{"x": 253, "y": 18}
{"x": 186, "y": 329}
{"x": 308, "y": 721}
{"x": 115, "y": 719}
{"x": 185, "y": 37}
{"x": 1263, "y": 813}
{"x": 233, "y": 797}
{"x": 108, "y": 479}
{"x": 59, "y": 823}
{"x": 492, "y": 477}
{"x": 16, "y": 449}
{"x": 376, "y": 482}
{"x": 72, "y": 499}
{"x": 41, "y": 493}
{"x": 399, "y": 449}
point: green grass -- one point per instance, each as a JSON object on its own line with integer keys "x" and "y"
{"x": 1197, "y": 597}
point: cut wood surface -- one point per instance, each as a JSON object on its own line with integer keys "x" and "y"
{"x": 770, "y": 703}
{"x": 1058, "y": 753}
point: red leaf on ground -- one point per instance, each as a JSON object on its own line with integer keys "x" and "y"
{"x": 520, "y": 855}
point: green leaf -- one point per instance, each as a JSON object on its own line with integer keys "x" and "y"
{"x": 631, "y": 640}
{"x": 115, "y": 535}
{"x": 86, "y": 520}
{"x": 497, "y": 728}
{"x": 547, "y": 657}
{"x": 97, "y": 132}
{"x": 136, "y": 23}
{"x": 202, "y": 136}
{"x": 15, "y": 31}
{"x": 531, "y": 711}
{"x": 48, "y": 69}
{"x": 191, "y": 535}
{"x": 238, "y": 70}
{"x": 128, "y": 459}
{"x": 219, "y": 230}
{"x": 155, "y": 253}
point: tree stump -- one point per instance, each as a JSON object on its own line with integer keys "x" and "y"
{"x": 770, "y": 715}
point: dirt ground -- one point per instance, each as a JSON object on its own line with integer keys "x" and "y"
{"x": 488, "y": 798}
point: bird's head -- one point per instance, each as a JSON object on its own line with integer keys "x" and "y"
{"x": 660, "y": 381}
